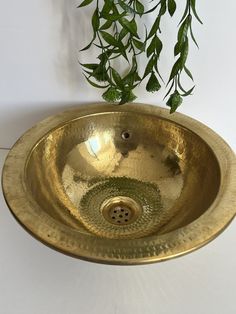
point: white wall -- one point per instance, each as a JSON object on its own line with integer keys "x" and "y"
{"x": 40, "y": 75}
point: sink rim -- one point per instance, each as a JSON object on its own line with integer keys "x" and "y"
{"x": 109, "y": 251}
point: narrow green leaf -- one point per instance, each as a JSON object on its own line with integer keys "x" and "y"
{"x": 139, "y": 7}
{"x": 158, "y": 72}
{"x": 180, "y": 85}
{"x": 90, "y": 66}
{"x": 175, "y": 70}
{"x": 154, "y": 28}
{"x": 88, "y": 72}
{"x": 138, "y": 44}
{"x": 84, "y": 3}
{"x": 123, "y": 33}
{"x": 185, "y": 12}
{"x": 188, "y": 72}
{"x": 134, "y": 27}
{"x": 159, "y": 46}
{"x": 106, "y": 25}
{"x": 94, "y": 84}
{"x": 189, "y": 92}
{"x": 109, "y": 39}
{"x": 150, "y": 66}
{"x": 176, "y": 49}
{"x": 171, "y": 7}
{"x": 89, "y": 45}
{"x": 193, "y": 7}
{"x": 192, "y": 35}
{"x": 95, "y": 21}
{"x": 152, "y": 9}
{"x": 101, "y": 46}
{"x": 116, "y": 56}
{"x": 163, "y": 7}
{"x": 170, "y": 89}
{"x": 152, "y": 47}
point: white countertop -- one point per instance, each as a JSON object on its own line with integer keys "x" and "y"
{"x": 34, "y": 279}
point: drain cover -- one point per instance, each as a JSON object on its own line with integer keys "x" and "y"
{"x": 121, "y": 210}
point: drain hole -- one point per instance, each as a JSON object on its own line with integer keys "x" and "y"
{"x": 126, "y": 214}
{"x": 125, "y": 135}
{"x": 119, "y": 221}
{"x": 113, "y": 217}
{"x": 126, "y": 220}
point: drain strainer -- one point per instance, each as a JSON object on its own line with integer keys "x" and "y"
{"x": 120, "y": 207}
{"x": 121, "y": 210}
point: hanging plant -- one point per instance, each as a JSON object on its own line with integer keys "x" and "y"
{"x": 116, "y": 31}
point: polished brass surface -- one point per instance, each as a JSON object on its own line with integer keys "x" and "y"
{"x": 121, "y": 185}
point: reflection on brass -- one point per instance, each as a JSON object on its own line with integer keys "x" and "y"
{"x": 121, "y": 185}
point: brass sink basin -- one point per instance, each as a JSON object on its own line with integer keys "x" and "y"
{"x": 125, "y": 184}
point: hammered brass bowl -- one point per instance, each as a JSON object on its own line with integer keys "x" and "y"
{"x": 121, "y": 185}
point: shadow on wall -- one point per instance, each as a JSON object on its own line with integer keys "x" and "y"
{"x": 28, "y": 115}
{"x": 74, "y": 32}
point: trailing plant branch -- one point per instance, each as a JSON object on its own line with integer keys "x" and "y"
{"x": 176, "y": 91}
{"x": 154, "y": 49}
{"x": 115, "y": 34}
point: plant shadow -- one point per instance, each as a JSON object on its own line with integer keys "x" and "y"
{"x": 74, "y": 32}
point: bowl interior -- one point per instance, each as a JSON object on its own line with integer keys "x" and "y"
{"x": 122, "y": 175}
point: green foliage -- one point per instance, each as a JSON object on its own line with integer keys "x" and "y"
{"x": 116, "y": 34}
{"x": 153, "y": 84}
{"x": 174, "y": 101}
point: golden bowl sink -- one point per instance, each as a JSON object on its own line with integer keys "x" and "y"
{"x": 125, "y": 184}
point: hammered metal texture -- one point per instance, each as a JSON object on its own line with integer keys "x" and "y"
{"x": 147, "y": 195}
{"x": 121, "y": 185}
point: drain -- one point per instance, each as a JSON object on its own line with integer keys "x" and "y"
{"x": 120, "y": 210}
